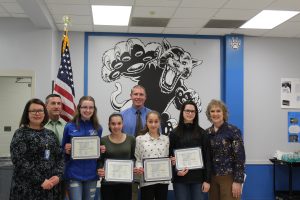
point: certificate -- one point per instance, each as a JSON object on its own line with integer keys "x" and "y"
{"x": 190, "y": 158}
{"x": 157, "y": 169}
{"x": 85, "y": 147}
{"x": 118, "y": 170}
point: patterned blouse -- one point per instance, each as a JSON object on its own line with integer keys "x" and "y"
{"x": 149, "y": 147}
{"x": 36, "y": 156}
{"x": 228, "y": 153}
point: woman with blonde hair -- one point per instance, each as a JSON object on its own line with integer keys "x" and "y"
{"x": 228, "y": 154}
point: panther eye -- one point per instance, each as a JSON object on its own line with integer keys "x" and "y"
{"x": 184, "y": 62}
{"x": 171, "y": 55}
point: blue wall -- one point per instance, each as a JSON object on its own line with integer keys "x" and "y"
{"x": 259, "y": 181}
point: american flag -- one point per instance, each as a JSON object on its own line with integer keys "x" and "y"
{"x": 64, "y": 85}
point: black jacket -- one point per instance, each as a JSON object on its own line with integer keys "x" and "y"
{"x": 190, "y": 138}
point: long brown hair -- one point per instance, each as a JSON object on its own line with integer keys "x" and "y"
{"x": 94, "y": 117}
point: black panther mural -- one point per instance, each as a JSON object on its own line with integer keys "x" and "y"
{"x": 160, "y": 68}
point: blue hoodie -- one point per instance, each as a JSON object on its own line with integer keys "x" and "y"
{"x": 81, "y": 170}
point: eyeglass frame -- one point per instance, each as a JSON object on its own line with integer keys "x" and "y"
{"x": 190, "y": 111}
{"x": 36, "y": 111}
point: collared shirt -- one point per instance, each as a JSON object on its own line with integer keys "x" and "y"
{"x": 129, "y": 119}
{"x": 60, "y": 125}
{"x": 228, "y": 153}
{"x": 149, "y": 147}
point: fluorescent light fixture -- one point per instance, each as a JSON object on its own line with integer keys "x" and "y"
{"x": 111, "y": 15}
{"x": 268, "y": 19}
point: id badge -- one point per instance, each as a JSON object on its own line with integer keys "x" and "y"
{"x": 47, "y": 154}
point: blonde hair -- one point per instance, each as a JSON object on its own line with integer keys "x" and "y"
{"x": 217, "y": 103}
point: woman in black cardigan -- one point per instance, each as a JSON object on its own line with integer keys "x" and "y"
{"x": 190, "y": 184}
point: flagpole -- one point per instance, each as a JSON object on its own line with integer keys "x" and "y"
{"x": 64, "y": 85}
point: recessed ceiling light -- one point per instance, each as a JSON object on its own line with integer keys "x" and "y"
{"x": 268, "y": 19}
{"x": 111, "y": 15}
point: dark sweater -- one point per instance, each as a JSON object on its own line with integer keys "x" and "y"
{"x": 121, "y": 151}
{"x": 190, "y": 139}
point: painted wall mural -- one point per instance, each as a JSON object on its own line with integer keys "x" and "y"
{"x": 164, "y": 67}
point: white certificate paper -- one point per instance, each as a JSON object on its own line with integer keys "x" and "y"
{"x": 85, "y": 147}
{"x": 158, "y": 169}
{"x": 118, "y": 170}
{"x": 190, "y": 158}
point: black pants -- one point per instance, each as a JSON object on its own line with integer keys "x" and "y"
{"x": 156, "y": 191}
{"x": 121, "y": 191}
{"x": 62, "y": 188}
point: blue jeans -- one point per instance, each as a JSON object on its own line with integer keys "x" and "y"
{"x": 188, "y": 191}
{"x": 82, "y": 190}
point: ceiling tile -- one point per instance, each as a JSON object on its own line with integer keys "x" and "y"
{"x": 204, "y": 4}
{"x": 285, "y": 5}
{"x": 2, "y": 10}
{"x": 287, "y": 29}
{"x": 110, "y": 28}
{"x": 9, "y": 1}
{"x": 235, "y": 14}
{"x": 194, "y": 13}
{"x": 114, "y": 2}
{"x": 181, "y": 30}
{"x": 295, "y": 18}
{"x": 186, "y": 16}
{"x": 70, "y": 9}
{"x": 195, "y": 22}
{"x": 250, "y": 32}
{"x": 4, "y": 14}
{"x": 13, "y": 7}
{"x": 246, "y": 4}
{"x": 19, "y": 15}
{"x": 154, "y": 12}
{"x": 67, "y": 2}
{"x": 135, "y": 29}
{"x": 75, "y": 19}
{"x": 215, "y": 31}
{"x": 157, "y": 3}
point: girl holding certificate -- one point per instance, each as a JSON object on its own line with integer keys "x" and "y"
{"x": 152, "y": 144}
{"x": 119, "y": 146}
{"x": 190, "y": 184}
{"x": 228, "y": 154}
{"x": 81, "y": 174}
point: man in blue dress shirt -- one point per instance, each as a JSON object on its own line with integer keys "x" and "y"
{"x": 138, "y": 97}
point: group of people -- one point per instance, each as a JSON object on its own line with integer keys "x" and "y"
{"x": 44, "y": 169}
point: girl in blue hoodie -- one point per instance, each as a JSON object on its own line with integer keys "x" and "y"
{"x": 81, "y": 175}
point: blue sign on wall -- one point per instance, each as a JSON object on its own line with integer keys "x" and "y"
{"x": 293, "y": 126}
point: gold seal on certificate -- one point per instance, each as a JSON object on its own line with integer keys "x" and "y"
{"x": 118, "y": 170}
{"x": 157, "y": 169}
{"x": 190, "y": 158}
{"x": 85, "y": 147}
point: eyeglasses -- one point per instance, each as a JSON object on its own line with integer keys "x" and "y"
{"x": 190, "y": 111}
{"x": 87, "y": 108}
{"x": 36, "y": 111}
